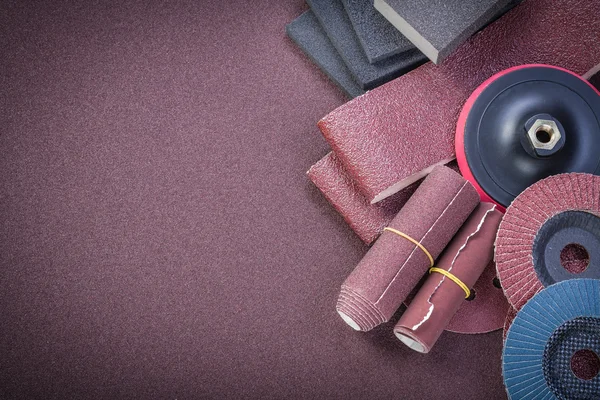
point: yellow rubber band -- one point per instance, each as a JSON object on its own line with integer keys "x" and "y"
{"x": 454, "y": 279}
{"x": 405, "y": 236}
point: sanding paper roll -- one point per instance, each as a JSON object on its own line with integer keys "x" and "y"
{"x": 436, "y": 302}
{"x": 550, "y": 233}
{"x": 401, "y": 128}
{"x": 395, "y": 264}
{"x": 483, "y": 314}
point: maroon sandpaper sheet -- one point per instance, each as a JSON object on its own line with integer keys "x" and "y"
{"x": 486, "y": 312}
{"x": 394, "y": 265}
{"x": 366, "y": 219}
{"x": 437, "y": 301}
{"x": 386, "y": 138}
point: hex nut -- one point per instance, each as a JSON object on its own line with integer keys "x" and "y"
{"x": 545, "y": 134}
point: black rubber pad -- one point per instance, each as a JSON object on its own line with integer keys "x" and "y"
{"x": 495, "y": 137}
{"x": 307, "y": 33}
{"x": 337, "y": 25}
{"x": 378, "y": 37}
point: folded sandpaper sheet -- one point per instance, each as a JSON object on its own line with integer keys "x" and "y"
{"x": 378, "y": 37}
{"x": 366, "y": 220}
{"x": 396, "y": 131}
{"x": 438, "y": 27}
{"x": 308, "y": 34}
{"x": 337, "y": 25}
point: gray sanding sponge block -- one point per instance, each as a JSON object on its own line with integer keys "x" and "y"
{"x": 307, "y": 33}
{"x": 378, "y": 37}
{"x": 437, "y": 27}
{"x": 337, "y": 25}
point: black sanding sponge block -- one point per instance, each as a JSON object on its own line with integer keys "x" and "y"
{"x": 337, "y": 25}
{"x": 378, "y": 37}
{"x": 307, "y": 33}
{"x": 437, "y": 27}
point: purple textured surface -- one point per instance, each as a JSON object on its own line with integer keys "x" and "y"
{"x": 159, "y": 237}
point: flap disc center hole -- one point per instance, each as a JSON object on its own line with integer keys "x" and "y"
{"x": 585, "y": 364}
{"x": 574, "y": 258}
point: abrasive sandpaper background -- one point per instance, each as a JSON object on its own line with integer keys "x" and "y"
{"x": 424, "y": 104}
{"x": 159, "y": 237}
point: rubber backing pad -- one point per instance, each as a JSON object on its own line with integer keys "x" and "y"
{"x": 492, "y": 147}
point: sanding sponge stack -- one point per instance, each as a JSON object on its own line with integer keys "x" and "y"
{"x": 408, "y": 247}
{"x": 359, "y": 40}
{"x": 437, "y": 27}
{"x": 377, "y": 36}
{"x": 450, "y": 282}
{"x": 353, "y": 44}
{"x": 550, "y": 233}
{"x": 306, "y": 32}
{"x": 336, "y": 23}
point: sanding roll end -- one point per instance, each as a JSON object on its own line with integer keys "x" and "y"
{"x": 410, "y": 340}
{"x": 357, "y": 312}
{"x": 349, "y": 321}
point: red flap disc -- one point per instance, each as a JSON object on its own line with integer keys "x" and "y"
{"x": 550, "y": 233}
{"x": 524, "y": 124}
